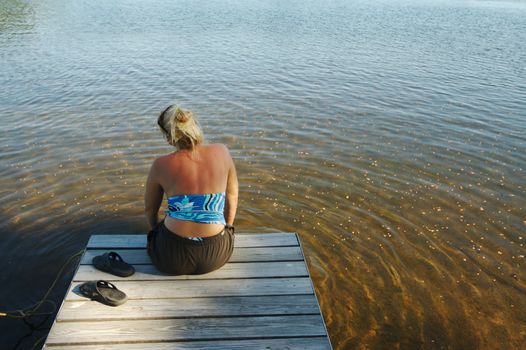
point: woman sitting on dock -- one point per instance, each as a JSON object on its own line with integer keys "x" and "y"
{"x": 200, "y": 182}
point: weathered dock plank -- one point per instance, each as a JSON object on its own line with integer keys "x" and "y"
{"x": 186, "y": 329}
{"x": 306, "y": 343}
{"x": 191, "y": 307}
{"x": 242, "y": 241}
{"x": 262, "y": 299}
{"x": 254, "y": 254}
{"x": 206, "y": 288}
{"x": 233, "y": 270}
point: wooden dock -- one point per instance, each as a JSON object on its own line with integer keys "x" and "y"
{"x": 262, "y": 299}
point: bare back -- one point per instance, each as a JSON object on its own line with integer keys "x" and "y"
{"x": 209, "y": 169}
{"x": 205, "y": 172}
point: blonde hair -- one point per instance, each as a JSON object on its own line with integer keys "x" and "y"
{"x": 180, "y": 128}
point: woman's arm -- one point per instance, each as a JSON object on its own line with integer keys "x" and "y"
{"x": 153, "y": 197}
{"x": 231, "y": 194}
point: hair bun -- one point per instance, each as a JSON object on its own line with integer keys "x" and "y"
{"x": 182, "y": 116}
{"x": 180, "y": 128}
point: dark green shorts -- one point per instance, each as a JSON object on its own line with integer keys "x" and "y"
{"x": 178, "y": 255}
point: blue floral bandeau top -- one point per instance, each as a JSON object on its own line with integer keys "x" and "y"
{"x": 202, "y": 208}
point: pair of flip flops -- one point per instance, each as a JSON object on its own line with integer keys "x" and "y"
{"x": 104, "y": 291}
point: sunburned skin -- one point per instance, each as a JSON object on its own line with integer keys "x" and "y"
{"x": 207, "y": 169}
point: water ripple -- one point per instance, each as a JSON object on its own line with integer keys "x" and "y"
{"x": 390, "y": 136}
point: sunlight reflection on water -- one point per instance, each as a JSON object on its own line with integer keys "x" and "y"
{"x": 393, "y": 147}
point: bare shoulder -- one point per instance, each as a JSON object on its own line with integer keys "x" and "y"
{"x": 218, "y": 149}
{"x": 218, "y": 146}
{"x": 160, "y": 163}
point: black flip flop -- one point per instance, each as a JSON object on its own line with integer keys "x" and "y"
{"x": 103, "y": 292}
{"x": 112, "y": 263}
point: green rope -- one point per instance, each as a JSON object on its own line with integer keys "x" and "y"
{"x": 37, "y": 342}
{"x": 33, "y": 310}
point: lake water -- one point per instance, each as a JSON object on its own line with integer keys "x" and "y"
{"x": 390, "y": 135}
